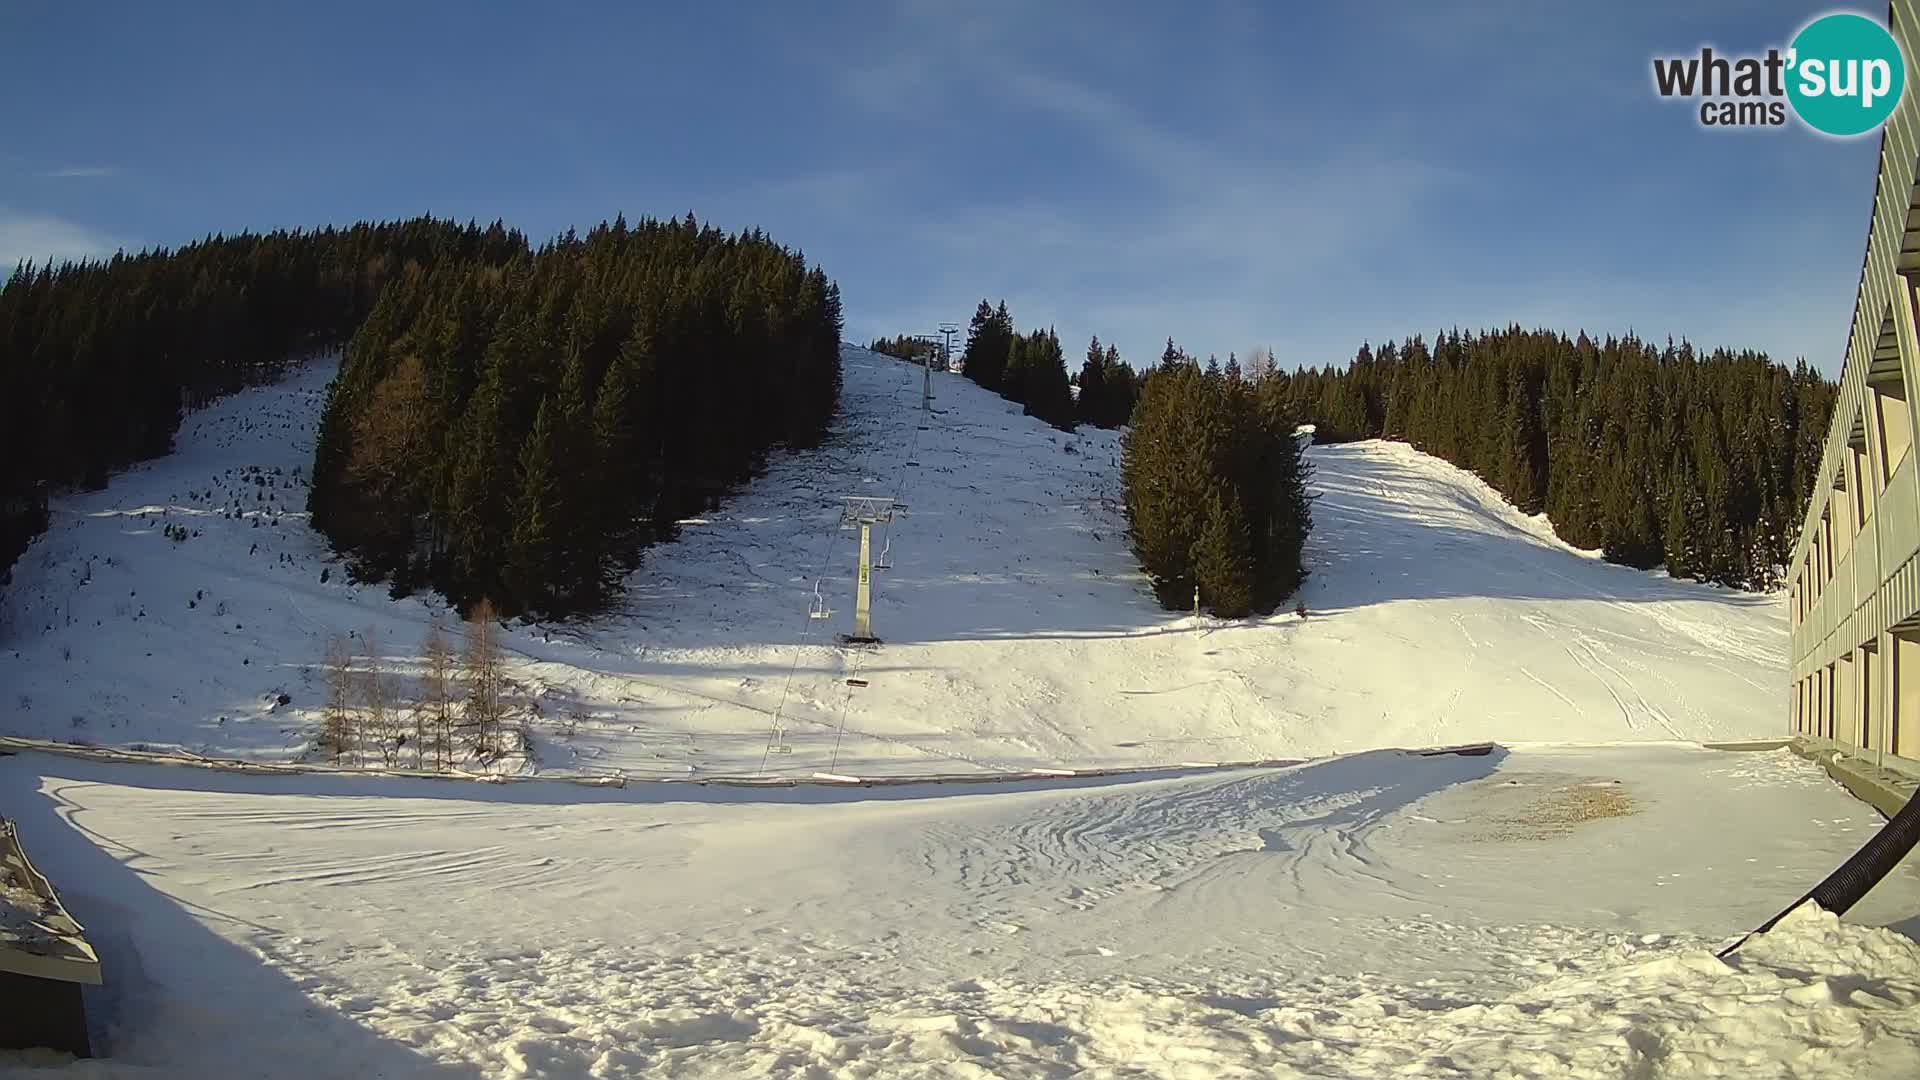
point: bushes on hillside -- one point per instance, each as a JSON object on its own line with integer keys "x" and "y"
{"x": 1216, "y": 492}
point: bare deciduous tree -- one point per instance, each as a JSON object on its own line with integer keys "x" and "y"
{"x": 433, "y": 719}
{"x": 383, "y": 728}
{"x": 336, "y": 724}
{"x": 485, "y": 706}
{"x": 1259, "y": 363}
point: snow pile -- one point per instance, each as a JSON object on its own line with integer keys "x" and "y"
{"x": 1842, "y": 1002}
{"x": 1018, "y": 630}
{"x": 1814, "y": 997}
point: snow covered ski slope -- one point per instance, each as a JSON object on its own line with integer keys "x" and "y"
{"x": 1539, "y": 913}
{"x": 1018, "y": 632}
{"x": 1546, "y": 909}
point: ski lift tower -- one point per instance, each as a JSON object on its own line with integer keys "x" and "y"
{"x": 948, "y": 331}
{"x": 926, "y": 373}
{"x": 865, "y": 512}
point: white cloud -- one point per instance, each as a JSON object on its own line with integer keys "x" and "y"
{"x": 43, "y": 238}
{"x": 82, "y": 172}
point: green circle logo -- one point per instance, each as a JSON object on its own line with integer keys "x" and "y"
{"x": 1845, "y": 74}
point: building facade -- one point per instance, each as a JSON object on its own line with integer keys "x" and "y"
{"x": 1854, "y": 581}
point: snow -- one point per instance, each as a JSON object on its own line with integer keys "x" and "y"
{"x": 1549, "y": 908}
{"x": 1369, "y": 915}
{"x": 1019, "y": 633}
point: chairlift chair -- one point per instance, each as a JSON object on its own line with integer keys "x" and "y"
{"x": 820, "y": 610}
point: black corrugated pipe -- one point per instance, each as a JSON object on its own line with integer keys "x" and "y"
{"x": 1844, "y": 887}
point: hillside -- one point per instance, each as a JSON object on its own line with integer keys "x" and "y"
{"x": 1545, "y": 910}
{"x": 1017, "y": 631}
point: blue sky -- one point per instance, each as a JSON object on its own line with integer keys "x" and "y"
{"x": 1228, "y": 174}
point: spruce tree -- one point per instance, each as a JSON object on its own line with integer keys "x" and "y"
{"x": 1171, "y": 357}
{"x": 1675, "y": 537}
{"x": 1165, "y": 474}
{"x": 538, "y": 511}
{"x": 1013, "y": 377}
{"x": 1122, "y": 389}
{"x": 580, "y": 552}
{"x": 989, "y": 338}
{"x": 1094, "y": 406}
{"x": 1223, "y": 557}
{"x": 1045, "y": 381}
{"x": 625, "y": 495}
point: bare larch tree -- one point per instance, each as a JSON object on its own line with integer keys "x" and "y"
{"x": 336, "y": 724}
{"x": 433, "y": 718}
{"x": 485, "y": 706}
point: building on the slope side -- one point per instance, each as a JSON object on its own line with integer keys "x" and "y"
{"x": 1854, "y": 581}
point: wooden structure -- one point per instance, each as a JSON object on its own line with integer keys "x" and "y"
{"x": 44, "y": 959}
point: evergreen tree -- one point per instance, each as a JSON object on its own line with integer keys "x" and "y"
{"x": 1122, "y": 388}
{"x": 1013, "y": 375}
{"x": 538, "y": 512}
{"x": 989, "y": 339}
{"x": 1094, "y": 405}
{"x": 1677, "y": 541}
{"x": 1223, "y": 557}
{"x": 619, "y": 447}
{"x": 1044, "y": 381}
{"x": 1215, "y": 493}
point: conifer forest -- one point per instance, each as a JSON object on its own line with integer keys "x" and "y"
{"x": 1702, "y": 462}
{"x": 508, "y": 422}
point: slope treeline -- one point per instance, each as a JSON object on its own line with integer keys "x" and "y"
{"x": 1031, "y": 369}
{"x": 1700, "y": 461}
{"x": 100, "y": 359}
{"x": 1216, "y": 488}
{"x": 904, "y": 347}
{"x": 1108, "y": 387}
{"x": 520, "y": 432}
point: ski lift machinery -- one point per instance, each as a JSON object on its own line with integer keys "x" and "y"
{"x": 865, "y": 512}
